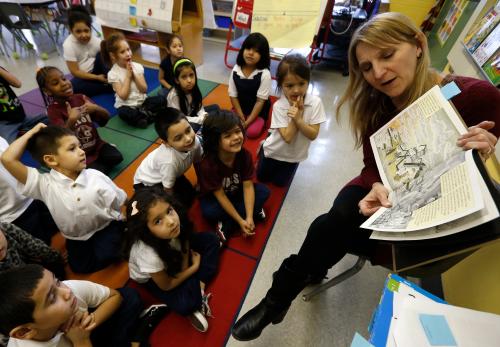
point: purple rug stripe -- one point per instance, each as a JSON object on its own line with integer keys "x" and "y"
{"x": 32, "y": 109}
{"x": 33, "y": 97}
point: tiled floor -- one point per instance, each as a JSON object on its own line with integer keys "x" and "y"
{"x": 331, "y": 318}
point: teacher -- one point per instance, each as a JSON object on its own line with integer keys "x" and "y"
{"x": 389, "y": 68}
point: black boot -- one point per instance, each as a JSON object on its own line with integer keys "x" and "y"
{"x": 287, "y": 284}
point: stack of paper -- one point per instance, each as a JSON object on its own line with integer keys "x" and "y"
{"x": 408, "y": 316}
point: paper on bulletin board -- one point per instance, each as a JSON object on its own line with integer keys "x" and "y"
{"x": 287, "y": 23}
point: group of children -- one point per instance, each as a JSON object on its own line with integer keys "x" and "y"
{"x": 78, "y": 199}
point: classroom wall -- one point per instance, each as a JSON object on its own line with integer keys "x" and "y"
{"x": 415, "y": 9}
{"x": 475, "y": 281}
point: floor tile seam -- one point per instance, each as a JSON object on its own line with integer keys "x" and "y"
{"x": 228, "y": 334}
{"x": 129, "y": 134}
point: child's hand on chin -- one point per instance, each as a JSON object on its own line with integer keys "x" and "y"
{"x": 79, "y": 331}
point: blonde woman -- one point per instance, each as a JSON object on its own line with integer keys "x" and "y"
{"x": 389, "y": 68}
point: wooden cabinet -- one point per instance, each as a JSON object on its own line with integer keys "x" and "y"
{"x": 187, "y": 21}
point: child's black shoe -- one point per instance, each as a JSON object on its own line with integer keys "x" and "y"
{"x": 148, "y": 320}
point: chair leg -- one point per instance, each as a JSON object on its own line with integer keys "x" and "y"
{"x": 336, "y": 280}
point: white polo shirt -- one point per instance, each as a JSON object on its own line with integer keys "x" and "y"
{"x": 80, "y": 208}
{"x": 12, "y": 204}
{"x": 88, "y": 294}
{"x": 118, "y": 74}
{"x": 84, "y": 55}
{"x": 297, "y": 150}
{"x": 165, "y": 164}
{"x": 265, "y": 82}
{"x": 174, "y": 101}
{"x": 144, "y": 260}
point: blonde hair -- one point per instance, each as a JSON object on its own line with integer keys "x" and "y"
{"x": 367, "y": 105}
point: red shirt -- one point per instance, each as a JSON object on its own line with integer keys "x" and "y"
{"x": 478, "y": 101}
{"x": 213, "y": 174}
{"x": 84, "y": 128}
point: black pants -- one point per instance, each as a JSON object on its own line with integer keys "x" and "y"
{"x": 37, "y": 221}
{"x": 276, "y": 171}
{"x": 141, "y": 116}
{"x": 109, "y": 156}
{"x": 101, "y": 250}
{"x": 118, "y": 330}
{"x": 334, "y": 234}
{"x": 186, "y": 297}
{"x": 92, "y": 87}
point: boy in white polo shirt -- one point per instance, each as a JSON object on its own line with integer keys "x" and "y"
{"x": 167, "y": 164}
{"x": 84, "y": 203}
{"x": 28, "y": 214}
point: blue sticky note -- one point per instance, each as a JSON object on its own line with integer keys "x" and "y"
{"x": 359, "y": 341}
{"x": 132, "y": 10}
{"x": 450, "y": 90}
{"x": 437, "y": 330}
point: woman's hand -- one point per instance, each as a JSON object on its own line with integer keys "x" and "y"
{"x": 376, "y": 198}
{"x": 479, "y": 138}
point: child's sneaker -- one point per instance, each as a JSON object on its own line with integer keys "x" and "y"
{"x": 205, "y": 309}
{"x": 221, "y": 233}
{"x": 199, "y": 321}
{"x": 261, "y": 215}
{"x": 148, "y": 320}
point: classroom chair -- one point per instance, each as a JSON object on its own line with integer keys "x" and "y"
{"x": 15, "y": 19}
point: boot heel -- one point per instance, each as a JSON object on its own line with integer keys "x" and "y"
{"x": 278, "y": 319}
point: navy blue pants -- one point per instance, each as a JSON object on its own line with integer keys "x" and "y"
{"x": 119, "y": 329}
{"x": 186, "y": 297}
{"x": 37, "y": 221}
{"x": 212, "y": 210}
{"x": 101, "y": 250}
{"x": 91, "y": 87}
{"x": 275, "y": 171}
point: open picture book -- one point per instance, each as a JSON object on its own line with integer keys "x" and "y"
{"x": 436, "y": 188}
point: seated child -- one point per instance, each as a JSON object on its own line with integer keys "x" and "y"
{"x": 17, "y": 248}
{"x": 295, "y": 123}
{"x": 225, "y": 175}
{"x": 85, "y": 203}
{"x": 250, "y": 84}
{"x": 175, "y": 50}
{"x": 167, "y": 164}
{"x": 13, "y": 120}
{"x": 82, "y": 55}
{"x": 78, "y": 113}
{"x": 129, "y": 84}
{"x": 186, "y": 95}
{"x": 28, "y": 214}
{"x": 174, "y": 263}
{"x": 39, "y": 310}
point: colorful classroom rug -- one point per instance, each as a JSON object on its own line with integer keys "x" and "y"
{"x": 238, "y": 262}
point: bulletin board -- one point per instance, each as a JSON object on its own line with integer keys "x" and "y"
{"x": 440, "y": 48}
{"x": 450, "y": 21}
{"x": 135, "y": 14}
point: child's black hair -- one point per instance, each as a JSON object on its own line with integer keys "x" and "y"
{"x": 295, "y": 64}
{"x": 16, "y": 290}
{"x": 260, "y": 44}
{"x": 214, "y": 126}
{"x": 41, "y": 80}
{"x": 166, "y": 118}
{"x": 110, "y": 45}
{"x": 46, "y": 141}
{"x": 137, "y": 228}
{"x": 195, "y": 93}
{"x": 77, "y": 14}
